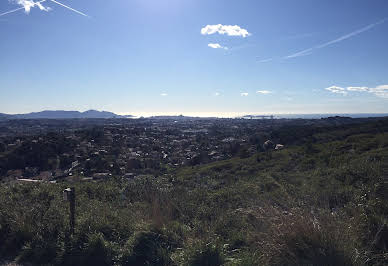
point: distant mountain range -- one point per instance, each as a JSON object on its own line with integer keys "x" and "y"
{"x": 64, "y": 115}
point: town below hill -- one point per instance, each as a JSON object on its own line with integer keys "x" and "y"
{"x": 52, "y": 150}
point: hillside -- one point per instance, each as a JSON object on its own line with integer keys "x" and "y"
{"x": 320, "y": 201}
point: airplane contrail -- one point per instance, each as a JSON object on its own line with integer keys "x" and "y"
{"x": 354, "y": 33}
{"x": 265, "y": 60}
{"x": 301, "y": 53}
{"x": 72, "y": 9}
{"x": 340, "y": 39}
{"x": 8, "y": 12}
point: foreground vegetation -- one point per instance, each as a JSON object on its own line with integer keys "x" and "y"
{"x": 323, "y": 200}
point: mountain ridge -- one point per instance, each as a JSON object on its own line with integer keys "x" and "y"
{"x": 62, "y": 114}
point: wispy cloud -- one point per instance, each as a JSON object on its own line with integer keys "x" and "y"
{"x": 359, "y": 89}
{"x": 265, "y": 60}
{"x": 264, "y": 92}
{"x": 217, "y": 94}
{"x": 299, "y": 36}
{"x": 217, "y": 46}
{"x": 243, "y": 46}
{"x": 163, "y": 94}
{"x": 225, "y": 29}
{"x": 380, "y": 91}
{"x": 244, "y": 94}
{"x": 340, "y": 39}
{"x": 336, "y": 89}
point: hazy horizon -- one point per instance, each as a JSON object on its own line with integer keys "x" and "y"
{"x": 219, "y": 114}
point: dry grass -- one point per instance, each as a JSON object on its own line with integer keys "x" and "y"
{"x": 299, "y": 237}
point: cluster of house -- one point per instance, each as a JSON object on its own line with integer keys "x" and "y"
{"x": 132, "y": 149}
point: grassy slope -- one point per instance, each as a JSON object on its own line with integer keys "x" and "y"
{"x": 319, "y": 202}
{"x": 342, "y": 175}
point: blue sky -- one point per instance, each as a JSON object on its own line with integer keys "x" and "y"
{"x": 154, "y": 56}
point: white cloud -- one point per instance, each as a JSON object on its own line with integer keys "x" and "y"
{"x": 335, "y": 89}
{"x": 263, "y": 92}
{"x": 357, "y": 88}
{"x": 380, "y": 91}
{"x": 217, "y": 94}
{"x": 41, "y": 7}
{"x": 217, "y": 46}
{"x": 244, "y": 94}
{"x": 382, "y": 87}
{"x": 28, "y": 4}
{"x": 163, "y": 94}
{"x": 225, "y": 29}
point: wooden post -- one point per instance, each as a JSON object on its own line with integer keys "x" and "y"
{"x": 69, "y": 195}
{"x": 72, "y": 210}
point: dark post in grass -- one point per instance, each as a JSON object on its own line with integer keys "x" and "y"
{"x": 69, "y": 195}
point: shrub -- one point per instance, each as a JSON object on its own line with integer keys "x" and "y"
{"x": 300, "y": 238}
{"x": 208, "y": 256}
{"x": 97, "y": 251}
{"x": 38, "y": 252}
{"x": 149, "y": 248}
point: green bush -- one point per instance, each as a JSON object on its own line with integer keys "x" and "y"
{"x": 149, "y": 248}
{"x": 97, "y": 251}
{"x": 207, "y": 256}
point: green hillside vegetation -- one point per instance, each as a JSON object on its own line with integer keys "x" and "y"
{"x": 323, "y": 200}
